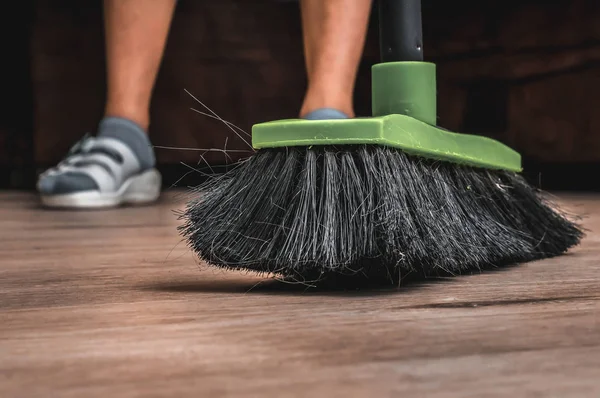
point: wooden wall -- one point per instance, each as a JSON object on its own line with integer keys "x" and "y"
{"x": 525, "y": 72}
{"x": 16, "y": 111}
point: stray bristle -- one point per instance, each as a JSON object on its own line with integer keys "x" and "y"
{"x": 369, "y": 210}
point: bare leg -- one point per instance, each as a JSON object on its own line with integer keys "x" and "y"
{"x": 136, "y": 32}
{"x": 334, "y": 35}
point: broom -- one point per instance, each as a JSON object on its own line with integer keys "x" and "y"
{"x": 379, "y": 196}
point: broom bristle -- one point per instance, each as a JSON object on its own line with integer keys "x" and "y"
{"x": 307, "y": 212}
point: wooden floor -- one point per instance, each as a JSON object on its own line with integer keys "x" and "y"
{"x": 110, "y": 304}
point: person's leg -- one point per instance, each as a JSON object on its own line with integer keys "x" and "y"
{"x": 136, "y": 32}
{"x": 334, "y": 35}
{"x": 118, "y": 165}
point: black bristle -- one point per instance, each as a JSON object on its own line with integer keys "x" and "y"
{"x": 305, "y": 213}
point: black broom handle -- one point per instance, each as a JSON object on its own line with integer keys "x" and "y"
{"x": 400, "y": 30}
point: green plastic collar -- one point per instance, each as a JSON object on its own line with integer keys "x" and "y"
{"x": 405, "y": 88}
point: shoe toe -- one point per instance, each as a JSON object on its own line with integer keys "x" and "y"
{"x": 45, "y": 184}
{"x": 66, "y": 183}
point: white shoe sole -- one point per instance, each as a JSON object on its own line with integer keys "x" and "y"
{"x": 137, "y": 190}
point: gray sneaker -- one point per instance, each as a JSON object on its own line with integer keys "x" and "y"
{"x": 99, "y": 172}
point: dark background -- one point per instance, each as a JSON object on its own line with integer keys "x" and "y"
{"x": 524, "y": 72}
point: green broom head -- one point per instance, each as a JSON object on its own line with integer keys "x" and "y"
{"x": 404, "y": 117}
{"x": 375, "y": 198}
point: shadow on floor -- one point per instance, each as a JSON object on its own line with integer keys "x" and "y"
{"x": 330, "y": 287}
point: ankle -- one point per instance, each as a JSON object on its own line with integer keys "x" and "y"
{"x": 348, "y": 111}
{"x": 340, "y": 103}
{"x": 139, "y": 117}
